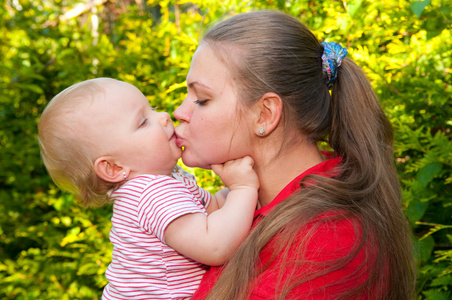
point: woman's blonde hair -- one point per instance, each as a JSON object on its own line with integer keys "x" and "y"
{"x": 66, "y": 155}
{"x": 270, "y": 51}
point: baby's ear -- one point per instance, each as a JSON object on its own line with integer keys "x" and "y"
{"x": 107, "y": 169}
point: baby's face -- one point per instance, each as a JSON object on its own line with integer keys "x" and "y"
{"x": 122, "y": 125}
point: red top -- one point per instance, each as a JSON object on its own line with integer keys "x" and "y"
{"x": 331, "y": 240}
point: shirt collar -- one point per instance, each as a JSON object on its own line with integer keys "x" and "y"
{"x": 325, "y": 168}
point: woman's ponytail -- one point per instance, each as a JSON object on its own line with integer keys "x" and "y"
{"x": 363, "y": 136}
{"x": 360, "y": 131}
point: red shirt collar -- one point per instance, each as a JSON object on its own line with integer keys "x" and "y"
{"x": 325, "y": 168}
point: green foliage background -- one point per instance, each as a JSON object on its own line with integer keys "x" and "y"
{"x": 52, "y": 249}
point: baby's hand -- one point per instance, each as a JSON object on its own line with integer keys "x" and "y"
{"x": 238, "y": 173}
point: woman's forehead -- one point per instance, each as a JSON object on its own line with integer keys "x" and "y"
{"x": 207, "y": 71}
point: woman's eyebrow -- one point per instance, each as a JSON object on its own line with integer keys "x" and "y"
{"x": 195, "y": 83}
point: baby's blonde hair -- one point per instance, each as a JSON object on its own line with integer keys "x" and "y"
{"x": 67, "y": 156}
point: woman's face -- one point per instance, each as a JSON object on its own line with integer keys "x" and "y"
{"x": 211, "y": 129}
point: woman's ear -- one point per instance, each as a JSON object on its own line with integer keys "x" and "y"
{"x": 107, "y": 169}
{"x": 270, "y": 108}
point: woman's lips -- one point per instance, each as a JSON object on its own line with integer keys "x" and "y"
{"x": 179, "y": 141}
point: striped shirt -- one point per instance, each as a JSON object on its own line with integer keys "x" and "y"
{"x": 143, "y": 266}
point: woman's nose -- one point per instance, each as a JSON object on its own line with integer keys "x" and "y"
{"x": 182, "y": 112}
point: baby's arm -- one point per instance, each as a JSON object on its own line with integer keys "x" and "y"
{"x": 212, "y": 239}
{"x": 217, "y": 200}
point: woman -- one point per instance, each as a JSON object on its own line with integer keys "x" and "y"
{"x": 328, "y": 225}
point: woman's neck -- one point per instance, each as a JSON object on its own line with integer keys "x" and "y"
{"x": 276, "y": 170}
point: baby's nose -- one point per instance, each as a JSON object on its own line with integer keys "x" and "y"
{"x": 165, "y": 118}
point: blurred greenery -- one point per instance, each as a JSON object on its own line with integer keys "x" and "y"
{"x": 51, "y": 248}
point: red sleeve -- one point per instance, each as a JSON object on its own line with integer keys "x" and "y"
{"x": 331, "y": 240}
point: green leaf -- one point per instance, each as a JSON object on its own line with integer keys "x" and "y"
{"x": 418, "y": 7}
{"x": 88, "y": 269}
{"x": 443, "y": 280}
{"x": 436, "y": 295}
{"x": 416, "y": 210}
{"x": 353, "y": 7}
{"x": 427, "y": 173}
{"x": 425, "y": 248}
{"x": 31, "y": 87}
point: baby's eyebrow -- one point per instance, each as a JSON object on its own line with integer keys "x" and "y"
{"x": 140, "y": 113}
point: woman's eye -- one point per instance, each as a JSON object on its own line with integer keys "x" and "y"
{"x": 200, "y": 102}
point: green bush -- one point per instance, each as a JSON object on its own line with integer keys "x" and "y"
{"x": 51, "y": 248}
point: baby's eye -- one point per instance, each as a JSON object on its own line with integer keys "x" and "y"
{"x": 200, "y": 102}
{"x": 144, "y": 122}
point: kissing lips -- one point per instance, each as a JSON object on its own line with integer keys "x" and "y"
{"x": 179, "y": 141}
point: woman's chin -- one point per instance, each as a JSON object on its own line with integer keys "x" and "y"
{"x": 193, "y": 162}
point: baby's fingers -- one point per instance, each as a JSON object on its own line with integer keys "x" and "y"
{"x": 248, "y": 160}
{"x": 217, "y": 168}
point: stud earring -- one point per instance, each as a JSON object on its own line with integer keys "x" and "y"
{"x": 261, "y": 131}
{"x": 125, "y": 176}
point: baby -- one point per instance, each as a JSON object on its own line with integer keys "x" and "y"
{"x": 101, "y": 141}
